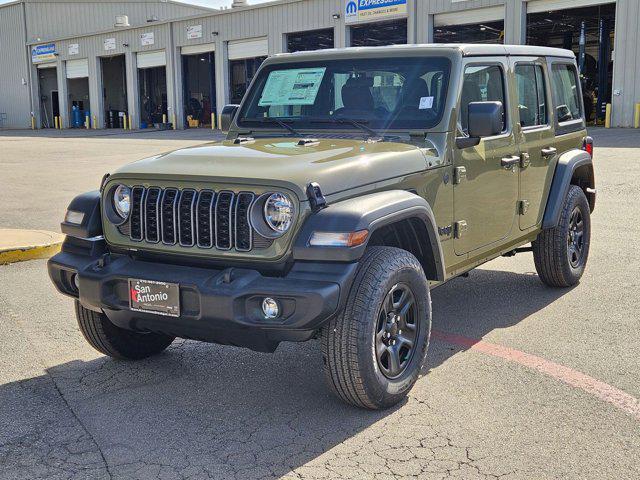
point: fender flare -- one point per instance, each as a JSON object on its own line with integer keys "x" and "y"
{"x": 91, "y": 226}
{"x": 568, "y": 164}
{"x": 370, "y": 212}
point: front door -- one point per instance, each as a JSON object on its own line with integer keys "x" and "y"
{"x": 537, "y": 138}
{"x": 485, "y": 176}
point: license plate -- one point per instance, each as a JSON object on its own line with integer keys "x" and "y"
{"x": 148, "y": 296}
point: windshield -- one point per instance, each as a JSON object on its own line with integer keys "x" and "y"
{"x": 373, "y": 94}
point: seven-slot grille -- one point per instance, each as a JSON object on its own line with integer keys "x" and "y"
{"x": 188, "y": 218}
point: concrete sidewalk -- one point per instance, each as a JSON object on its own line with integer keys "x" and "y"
{"x": 20, "y": 245}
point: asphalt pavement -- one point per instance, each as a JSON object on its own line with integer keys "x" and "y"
{"x": 522, "y": 381}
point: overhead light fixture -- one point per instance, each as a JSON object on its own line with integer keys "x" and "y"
{"x": 215, "y": 34}
{"x": 335, "y": 16}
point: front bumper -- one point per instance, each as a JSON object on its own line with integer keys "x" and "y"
{"x": 217, "y": 305}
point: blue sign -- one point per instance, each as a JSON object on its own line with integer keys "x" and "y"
{"x": 367, "y": 10}
{"x": 43, "y": 53}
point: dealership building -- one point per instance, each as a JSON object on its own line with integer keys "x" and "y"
{"x": 142, "y": 63}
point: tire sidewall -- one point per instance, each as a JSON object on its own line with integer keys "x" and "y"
{"x": 380, "y": 388}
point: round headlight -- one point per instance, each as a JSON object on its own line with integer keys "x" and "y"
{"x": 278, "y": 212}
{"x": 122, "y": 200}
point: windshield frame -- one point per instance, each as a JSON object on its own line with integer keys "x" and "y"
{"x": 252, "y": 95}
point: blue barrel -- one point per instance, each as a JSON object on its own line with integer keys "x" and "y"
{"x": 76, "y": 117}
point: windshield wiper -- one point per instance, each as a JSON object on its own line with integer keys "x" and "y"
{"x": 278, "y": 122}
{"x": 356, "y": 123}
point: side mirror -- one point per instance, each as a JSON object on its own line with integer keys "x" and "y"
{"x": 228, "y": 113}
{"x": 485, "y": 120}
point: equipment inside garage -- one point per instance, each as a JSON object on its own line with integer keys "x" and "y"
{"x": 48, "y": 88}
{"x": 114, "y": 90}
{"x": 379, "y": 34}
{"x": 486, "y": 32}
{"x": 589, "y": 32}
{"x": 310, "y": 40}
{"x": 245, "y": 57}
{"x": 198, "y": 79}
{"x": 152, "y": 84}
{"x": 78, "y": 91}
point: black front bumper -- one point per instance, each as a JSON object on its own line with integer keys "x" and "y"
{"x": 217, "y": 305}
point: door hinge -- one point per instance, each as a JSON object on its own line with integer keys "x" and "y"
{"x": 523, "y": 207}
{"x": 525, "y": 160}
{"x": 459, "y": 228}
{"x": 458, "y": 174}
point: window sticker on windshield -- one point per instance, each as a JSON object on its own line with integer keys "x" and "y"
{"x": 292, "y": 87}
{"x": 425, "y": 102}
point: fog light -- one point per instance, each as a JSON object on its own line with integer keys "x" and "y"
{"x": 76, "y": 282}
{"x": 270, "y": 308}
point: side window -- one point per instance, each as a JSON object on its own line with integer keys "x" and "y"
{"x": 564, "y": 84}
{"x": 532, "y": 103}
{"x": 482, "y": 83}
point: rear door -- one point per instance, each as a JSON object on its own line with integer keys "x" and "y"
{"x": 538, "y": 154}
{"x": 485, "y": 189}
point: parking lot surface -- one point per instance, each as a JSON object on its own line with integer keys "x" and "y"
{"x": 522, "y": 381}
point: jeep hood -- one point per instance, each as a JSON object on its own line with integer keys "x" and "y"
{"x": 336, "y": 164}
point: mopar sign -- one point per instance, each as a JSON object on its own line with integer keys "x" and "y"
{"x": 366, "y": 10}
{"x": 43, "y": 53}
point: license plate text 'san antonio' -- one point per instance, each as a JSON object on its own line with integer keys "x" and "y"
{"x": 149, "y": 296}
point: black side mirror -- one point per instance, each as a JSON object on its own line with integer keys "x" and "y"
{"x": 227, "y": 115}
{"x": 485, "y": 120}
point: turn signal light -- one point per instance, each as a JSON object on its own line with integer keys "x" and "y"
{"x": 338, "y": 239}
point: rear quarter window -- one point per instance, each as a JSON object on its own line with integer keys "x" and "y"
{"x": 566, "y": 93}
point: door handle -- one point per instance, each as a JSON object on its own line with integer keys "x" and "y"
{"x": 549, "y": 152}
{"x": 509, "y": 162}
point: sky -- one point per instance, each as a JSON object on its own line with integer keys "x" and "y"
{"x": 206, "y": 3}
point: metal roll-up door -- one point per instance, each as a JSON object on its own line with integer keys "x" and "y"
{"x": 41, "y": 66}
{"x": 537, "y": 6}
{"x": 250, "y": 48}
{"x": 468, "y": 17}
{"x": 156, "y": 58}
{"x": 78, "y": 68}
{"x": 197, "y": 49}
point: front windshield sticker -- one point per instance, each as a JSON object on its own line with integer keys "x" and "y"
{"x": 426, "y": 102}
{"x": 292, "y": 87}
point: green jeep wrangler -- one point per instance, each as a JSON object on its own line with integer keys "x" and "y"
{"x": 351, "y": 182}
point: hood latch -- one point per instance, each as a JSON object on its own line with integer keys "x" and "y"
{"x": 316, "y": 198}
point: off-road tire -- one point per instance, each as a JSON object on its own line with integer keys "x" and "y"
{"x": 348, "y": 341}
{"x": 551, "y": 248}
{"x": 117, "y": 342}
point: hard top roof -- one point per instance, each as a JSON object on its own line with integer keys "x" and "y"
{"x": 466, "y": 50}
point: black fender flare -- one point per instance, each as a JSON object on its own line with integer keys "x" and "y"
{"x": 574, "y": 167}
{"x": 369, "y": 212}
{"x": 91, "y": 226}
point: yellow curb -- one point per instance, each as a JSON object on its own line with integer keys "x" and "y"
{"x": 21, "y": 245}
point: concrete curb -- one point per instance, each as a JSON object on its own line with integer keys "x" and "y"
{"x": 22, "y": 245}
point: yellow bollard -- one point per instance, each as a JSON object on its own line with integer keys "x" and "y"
{"x": 33, "y": 122}
{"x": 87, "y": 122}
{"x": 213, "y": 121}
{"x": 164, "y": 118}
{"x": 607, "y": 116}
{"x": 124, "y": 121}
{"x": 173, "y": 121}
{"x": 636, "y": 117}
{"x": 55, "y": 122}
{"x": 95, "y": 123}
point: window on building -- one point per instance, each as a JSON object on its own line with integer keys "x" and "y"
{"x": 532, "y": 104}
{"x": 311, "y": 40}
{"x": 242, "y": 72}
{"x": 486, "y": 32}
{"x": 564, "y": 84}
{"x": 379, "y": 34}
{"x": 482, "y": 83}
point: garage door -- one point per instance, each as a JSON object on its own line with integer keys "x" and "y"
{"x": 477, "y": 15}
{"x": 156, "y": 58}
{"x": 40, "y": 66}
{"x": 197, "y": 49}
{"x": 537, "y": 6}
{"x": 78, "y": 68}
{"x": 253, "y": 47}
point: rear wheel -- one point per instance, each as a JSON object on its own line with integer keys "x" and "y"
{"x": 561, "y": 253}
{"x": 374, "y": 350}
{"x": 117, "y": 342}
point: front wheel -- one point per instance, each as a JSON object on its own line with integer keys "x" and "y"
{"x": 560, "y": 253}
{"x": 373, "y": 351}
